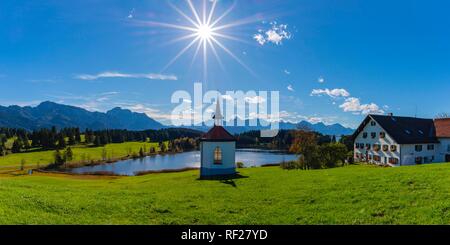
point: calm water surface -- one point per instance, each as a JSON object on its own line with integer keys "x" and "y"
{"x": 250, "y": 158}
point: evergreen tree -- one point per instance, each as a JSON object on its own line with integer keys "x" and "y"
{"x": 61, "y": 141}
{"x": 26, "y": 143}
{"x": 17, "y": 146}
{"x": 72, "y": 140}
{"x": 2, "y": 150}
{"x": 58, "y": 158}
{"x": 68, "y": 155}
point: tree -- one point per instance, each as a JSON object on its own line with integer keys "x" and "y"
{"x": 443, "y": 115}
{"x": 305, "y": 145}
{"x": 104, "y": 154}
{"x": 347, "y": 140}
{"x": 58, "y": 158}
{"x": 333, "y": 154}
{"x": 72, "y": 140}
{"x": 17, "y": 146}
{"x": 2, "y": 150}
{"x": 162, "y": 147}
{"x": 61, "y": 141}
{"x": 68, "y": 155}
{"x": 333, "y": 140}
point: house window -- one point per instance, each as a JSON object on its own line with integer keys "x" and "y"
{"x": 418, "y": 148}
{"x": 368, "y": 146}
{"x": 430, "y": 147}
{"x": 393, "y": 148}
{"x": 448, "y": 148}
{"x": 419, "y": 160}
{"x": 361, "y": 146}
{"x": 365, "y": 135}
{"x": 393, "y": 160}
{"x": 373, "y": 135}
{"x": 357, "y": 146}
{"x": 377, "y": 158}
{"x": 376, "y": 147}
{"x": 382, "y": 135}
{"x": 385, "y": 147}
{"x": 373, "y": 123}
{"x": 218, "y": 156}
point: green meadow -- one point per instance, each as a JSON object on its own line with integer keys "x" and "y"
{"x": 81, "y": 152}
{"x": 356, "y": 194}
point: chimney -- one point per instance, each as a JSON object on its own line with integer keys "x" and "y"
{"x": 390, "y": 114}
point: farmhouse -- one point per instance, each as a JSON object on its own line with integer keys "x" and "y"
{"x": 397, "y": 141}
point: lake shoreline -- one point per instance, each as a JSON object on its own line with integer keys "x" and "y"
{"x": 170, "y": 162}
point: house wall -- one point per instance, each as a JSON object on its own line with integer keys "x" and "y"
{"x": 444, "y": 149}
{"x": 409, "y": 154}
{"x": 228, "y": 166}
{"x": 384, "y": 155}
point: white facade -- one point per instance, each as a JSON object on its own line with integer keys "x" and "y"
{"x": 227, "y": 163}
{"x": 382, "y": 156}
{"x": 374, "y": 145}
{"x": 444, "y": 150}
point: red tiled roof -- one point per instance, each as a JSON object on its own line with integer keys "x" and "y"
{"x": 442, "y": 128}
{"x": 218, "y": 133}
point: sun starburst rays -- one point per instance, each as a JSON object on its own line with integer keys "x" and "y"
{"x": 204, "y": 30}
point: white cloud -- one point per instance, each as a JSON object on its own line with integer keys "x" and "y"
{"x": 334, "y": 93}
{"x": 287, "y": 72}
{"x": 227, "y": 97}
{"x": 275, "y": 35}
{"x": 259, "y": 38}
{"x": 255, "y": 100}
{"x": 109, "y": 74}
{"x": 321, "y": 79}
{"x": 290, "y": 88}
{"x": 354, "y": 105}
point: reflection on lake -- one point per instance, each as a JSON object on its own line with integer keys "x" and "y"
{"x": 250, "y": 157}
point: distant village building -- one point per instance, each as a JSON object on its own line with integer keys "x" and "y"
{"x": 397, "y": 141}
{"x": 217, "y": 150}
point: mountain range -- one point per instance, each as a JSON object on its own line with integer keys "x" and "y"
{"x": 48, "y": 114}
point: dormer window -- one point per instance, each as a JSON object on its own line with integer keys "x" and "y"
{"x": 218, "y": 156}
{"x": 407, "y": 131}
{"x": 385, "y": 147}
{"x": 365, "y": 135}
{"x": 382, "y": 135}
{"x": 373, "y": 135}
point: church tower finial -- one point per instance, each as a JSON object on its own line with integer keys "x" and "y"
{"x": 218, "y": 115}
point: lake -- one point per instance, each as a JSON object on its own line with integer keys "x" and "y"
{"x": 250, "y": 158}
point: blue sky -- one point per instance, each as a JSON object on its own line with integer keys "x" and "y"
{"x": 332, "y": 61}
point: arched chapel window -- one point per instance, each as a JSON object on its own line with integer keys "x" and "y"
{"x": 217, "y": 156}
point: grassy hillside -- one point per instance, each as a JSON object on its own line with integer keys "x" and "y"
{"x": 349, "y": 195}
{"x": 42, "y": 158}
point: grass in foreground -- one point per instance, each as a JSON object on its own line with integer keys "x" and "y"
{"x": 349, "y": 195}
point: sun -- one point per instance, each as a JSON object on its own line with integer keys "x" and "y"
{"x": 204, "y": 32}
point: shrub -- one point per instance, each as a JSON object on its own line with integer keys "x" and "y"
{"x": 240, "y": 165}
{"x": 290, "y": 165}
